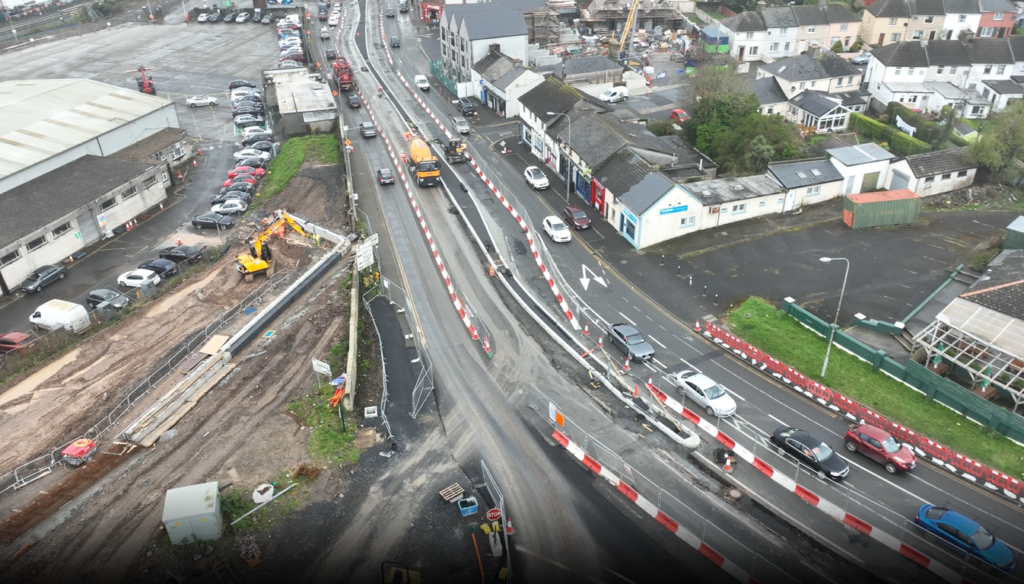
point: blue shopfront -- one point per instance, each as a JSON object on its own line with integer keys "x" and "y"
{"x": 629, "y": 227}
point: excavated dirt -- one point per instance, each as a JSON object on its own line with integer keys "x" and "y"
{"x": 317, "y": 193}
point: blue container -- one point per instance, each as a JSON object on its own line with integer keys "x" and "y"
{"x": 468, "y": 506}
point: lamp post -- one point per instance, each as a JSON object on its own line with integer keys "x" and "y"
{"x": 568, "y": 157}
{"x": 832, "y": 332}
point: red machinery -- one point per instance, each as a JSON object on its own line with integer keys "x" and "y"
{"x": 145, "y": 84}
{"x": 78, "y": 452}
{"x": 343, "y": 74}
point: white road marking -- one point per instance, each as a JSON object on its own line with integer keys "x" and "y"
{"x": 777, "y": 420}
{"x": 650, "y": 338}
{"x": 554, "y": 563}
{"x": 627, "y": 319}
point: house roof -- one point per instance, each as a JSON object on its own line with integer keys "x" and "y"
{"x": 621, "y": 171}
{"x": 789, "y": 17}
{"x": 494, "y": 24}
{"x": 939, "y": 162}
{"x": 808, "y": 68}
{"x": 855, "y": 97}
{"x": 644, "y": 194}
{"x": 815, "y": 103}
{"x": 494, "y": 65}
{"x": 583, "y": 65}
{"x": 926, "y": 8}
{"x": 767, "y": 91}
{"x": 860, "y": 154}
{"x": 779, "y": 18}
{"x": 1004, "y": 87}
{"x": 829, "y": 143}
{"x": 994, "y": 51}
{"x": 961, "y": 6}
{"x": 889, "y": 9}
{"x": 1001, "y": 288}
{"x": 996, "y": 6}
{"x": 505, "y": 80}
{"x": 1017, "y": 46}
{"x": 952, "y": 53}
{"x": 552, "y": 95}
{"x": 806, "y": 15}
{"x": 802, "y": 173}
{"x": 593, "y": 141}
{"x": 726, "y": 190}
{"x": 964, "y": 130}
{"x": 837, "y": 14}
{"x": 747, "y": 21}
{"x": 144, "y": 150}
{"x": 909, "y": 54}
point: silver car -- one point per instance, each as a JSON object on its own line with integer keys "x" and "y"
{"x": 201, "y": 100}
{"x": 631, "y": 342}
{"x": 705, "y": 392}
{"x": 461, "y": 125}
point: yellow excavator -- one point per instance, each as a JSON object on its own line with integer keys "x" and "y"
{"x": 257, "y": 261}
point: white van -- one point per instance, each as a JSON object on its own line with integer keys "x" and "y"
{"x": 421, "y": 82}
{"x": 58, "y": 314}
{"x": 293, "y": 18}
{"x": 615, "y": 94}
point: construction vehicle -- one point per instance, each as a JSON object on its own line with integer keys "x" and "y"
{"x": 423, "y": 163}
{"x": 145, "y": 84}
{"x": 78, "y": 452}
{"x": 624, "y": 45}
{"x": 343, "y": 74}
{"x": 454, "y": 150}
{"x": 257, "y": 261}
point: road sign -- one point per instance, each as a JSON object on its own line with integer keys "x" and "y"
{"x": 364, "y": 256}
{"x": 494, "y": 515}
{"x": 321, "y": 367}
{"x": 372, "y": 240}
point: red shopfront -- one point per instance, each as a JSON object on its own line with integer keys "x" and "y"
{"x": 597, "y": 192}
{"x": 431, "y": 12}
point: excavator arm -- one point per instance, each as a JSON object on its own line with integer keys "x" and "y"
{"x": 259, "y": 256}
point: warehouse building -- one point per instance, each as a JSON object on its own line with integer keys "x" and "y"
{"x": 303, "y": 102}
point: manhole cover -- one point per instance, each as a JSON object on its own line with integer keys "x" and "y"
{"x": 733, "y": 495}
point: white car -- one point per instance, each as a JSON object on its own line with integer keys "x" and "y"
{"x": 202, "y": 17}
{"x": 290, "y": 42}
{"x": 705, "y": 392}
{"x": 557, "y": 230}
{"x": 243, "y": 90}
{"x": 138, "y": 278}
{"x": 332, "y": 21}
{"x": 252, "y": 130}
{"x": 251, "y": 153}
{"x": 230, "y": 207}
{"x": 536, "y": 178}
{"x": 201, "y": 100}
{"x": 421, "y": 82}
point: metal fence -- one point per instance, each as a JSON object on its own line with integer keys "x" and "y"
{"x": 383, "y": 363}
{"x": 43, "y": 465}
{"x": 437, "y": 70}
{"x": 499, "y": 502}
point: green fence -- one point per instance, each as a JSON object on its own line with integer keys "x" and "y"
{"x": 437, "y": 70}
{"x": 940, "y": 389}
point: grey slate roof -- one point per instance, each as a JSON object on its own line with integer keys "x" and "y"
{"x": 592, "y": 140}
{"x": 926, "y": 8}
{"x": 779, "y": 18}
{"x": 582, "y": 65}
{"x": 806, "y": 15}
{"x": 961, "y": 6}
{"x": 997, "y": 6}
{"x": 814, "y": 103}
{"x": 505, "y": 80}
{"x": 643, "y": 195}
{"x": 748, "y": 21}
{"x": 950, "y": 53}
{"x": 860, "y": 154}
{"x": 494, "y": 65}
{"x": 803, "y": 173}
{"x": 551, "y": 95}
{"x": 728, "y": 190}
{"x": 837, "y": 13}
{"x": 939, "y": 162}
{"x": 964, "y": 129}
{"x": 1004, "y": 87}
{"x": 1017, "y": 46}
{"x": 767, "y": 91}
{"x": 990, "y": 290}
{"x": 49, "y": 197}
{"x": 789, "y": 17}
{"x": 494, "y": 25}
{"x": 808, "y": 68}
{"x": 889, "y": 9}
{"x": 908, "y": 54}
{"x": 995, "y": 51}
{"x": 621, "y": 171}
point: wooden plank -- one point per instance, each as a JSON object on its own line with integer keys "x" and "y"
{"x": 214, "y": 344}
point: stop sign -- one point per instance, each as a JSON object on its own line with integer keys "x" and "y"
{"x": 494, "y": 515}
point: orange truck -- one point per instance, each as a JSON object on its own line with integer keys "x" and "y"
{"x": 423, "y": 163}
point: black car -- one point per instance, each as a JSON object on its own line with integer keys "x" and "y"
{"x": 182, "y": 253}
{"x": 242, "y": 187}
{"x": 396, "y": 42}
{"x": 211, "y": 221}
{"x": 811, "y": 452}
{"x": 331, "y": 54}
{"x": 246, "y": 111}
{"x": 264, "y": 145}
{"x": 230, "y": 16}
{"x": 164, "y": 268}
{"x": 253, "y": 162}
{"x": 247, "y": 197}
{"x": 385, "y": 176}
{"x": 42, "y": 276}
{"x": 390, "y": 12}
{"x": 215, "y": 17}
{"x": 367, "y": 130}
{"x": 353, "y": 101}
{"x": 101, "y": 295}
{"x": 466, "y": 107}
{"x": 254, "y": 138}
{"x": 240, "y": 83}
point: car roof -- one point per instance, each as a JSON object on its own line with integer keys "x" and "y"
{"x": 702, "y": 381}
{"x": 158, "y": 262}
{"x": 874, "y": 432}
{"x": 625, "y": 329}
{"x": 15, "y": 336}
{"x": 573, "y": 208}
{"x": 142, "y": 272}
{"x": 101, "y": 291}
{"x": 964, "y": 524}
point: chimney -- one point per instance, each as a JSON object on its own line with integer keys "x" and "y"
{"x": 494, "y": 48}
{"x": 822, "y": 3}
{"x": 967, "y": 36}
{"x": 761, "y": 5}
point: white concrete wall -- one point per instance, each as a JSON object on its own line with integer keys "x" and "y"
{"x": 858, "y": 172}
{"x": 516, "y": 89}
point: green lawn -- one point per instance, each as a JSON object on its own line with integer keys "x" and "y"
{"x": 293, "y": 154}
{"x": 762, "y": 325}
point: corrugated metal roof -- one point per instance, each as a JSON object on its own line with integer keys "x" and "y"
{"x": 42, "y": 118}
{"x": 897, "y": 195}
{"x": 860, "y": 154}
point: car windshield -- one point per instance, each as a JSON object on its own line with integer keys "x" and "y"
{"x": 579, "y": 215}
{"x": 890, "y": 445}
{"x": 983, "y": 539}
{"x": 558, "y": 225}
{"x": 634, "y": 339}
{"x": 536, "y": 174}
{"x": 822, "y": 452}
{"x": 714, "y": 392}
{"x": 428, "y": 165}
{"x": 385, "y": 173}
{"x": 34, "y": 276}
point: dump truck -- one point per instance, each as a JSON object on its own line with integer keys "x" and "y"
{"x": 423, "y": 163}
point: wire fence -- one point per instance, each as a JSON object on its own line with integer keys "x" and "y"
{"x": 383, "y": 408}
{"x": 43, "y": 465}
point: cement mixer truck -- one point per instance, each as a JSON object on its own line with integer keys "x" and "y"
{"x": 423, "y": 163}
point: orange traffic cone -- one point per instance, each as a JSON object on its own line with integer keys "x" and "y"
{"x": 600, "y": 343}
{"x": 728, "y": 465}
{"x": 696, "y": 327}
{"x": 177, "y": 241}
{"x": 636, "y": 390}
{"x": 71, "y": 259}
{"x": 194, "y": 163}
{"x": 586, "y": 330}
{"x": 626, "y": 366}
{"x": 491, "y": 271}
{"x": 509, "y": 530}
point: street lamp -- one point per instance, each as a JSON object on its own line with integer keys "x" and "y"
{"x": 832, "y": 332}
{"x": 568, "y": 157}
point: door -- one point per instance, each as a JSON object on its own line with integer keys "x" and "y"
{"x": 803, "y": 453}
{"x": 742, "y": 50}
{"x": 790, "y": 199}
{"x": 87, "y": 227}
{"x": 881, "y": 39}
{"x": 871, "y": 448}
{"x": 931, "y": 36}
{"x": 697, "y": 395}
{"x": 848, "y": 189}
{"x": 899, "y": 180}
{"x": 870, "y": 182}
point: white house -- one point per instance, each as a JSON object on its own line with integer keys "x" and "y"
{"x": 864, "y": 167}
{"x": 773, "y": 33}
{"x": 961, "y": 15}
{"x": 932, "y": 173}
{"x": 807, "y": 182}
{"x": 501, "y": 80}
{"x": 467, "y": 33}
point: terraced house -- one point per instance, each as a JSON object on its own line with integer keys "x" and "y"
{"x": 775, "y": 33}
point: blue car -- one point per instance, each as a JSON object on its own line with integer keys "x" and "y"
{"x": 964, "y": 534}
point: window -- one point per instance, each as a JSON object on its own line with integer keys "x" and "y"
{"x": 849, "y": 80}
{"x": 986, "y": 31}
{"x": 792, "y": 109}
{"x": 770, "y": 108}
{"x": 741, "y": 208}
{"x": 61, "y": 229}
{"x": 1000, "y": 69}
{"x": 802, "y": 85}
{"x": 917, "y": 35}
{"x": 753, "y": 51}
{"x": 929, "y": 19}
{"x": 898, "y": 70}
{"x": 929, "y": 179}
{"x": 9, "y": 258}
{"x": 129, "y": 192}
{"x": 444, "y": 36}
{"x": 962, "y": 18}
{"x": 773, "y": 47}
{"x": 108, "y": 204}
{"x": 940, "y": 70}
{"x": 811, "y": 191}
{"x": 947, "y": 176}
{"x": 177, "y": 153}
{"x": 910, "y": 71}
{"x": 977, "y": 110}
{"x": 998, "y": 16}
{"x": 895, "y": 37}
{"x": 785, "y": 47}
{"x": 687, "y": 221}
{"x": 761, "y": 204}
{"x": 783, "y": 30}
{"x": 149, "y": 182}
{"x": 952, "y": 70}
{"x": 839, "y": 82}
{"x": 750, "y": 35}
{"x": 988, "y": 69}
{"x": 892, "y": 22}
{"x": 810, "y": 29}
{"x": 37, "y": 243}
{"x": 844, "y": 26}
{"x": 780, "y": 201}
{"x": 833, "y": 41}
{"x": 961, "y": 174}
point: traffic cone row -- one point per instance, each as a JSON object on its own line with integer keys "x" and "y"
{"x": 128, "y": 226}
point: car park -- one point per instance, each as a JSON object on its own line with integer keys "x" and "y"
{"x": 200, "y": 101}
{"x": 536, "y": 178}
{"x": 243, "y": 17}
{"x": 15, "y": 342}
{"x": 421, "y": 82}
{"x": 163, "y": 268}
{"x": 268, "y": 19}
{"x": 461, "y": 125}
{"x": 811, "y": 452}
{"x": 678, "y": 116}
{"x": 263, "y": 145}
{"x": 240, "y": 187}
{"x": 575, "y": 216}
{"x": 230, "y": 17}
{"x": 353, "y": 101}
{"x": 331, "y": 54}
{"x": 251, "y": 153}
{"x": 42, "y": 277}
{"x": 367, "y": 129}
{"x": 248, "y": 120}
{"x": 257, "y": 172}
{"x": 242, "y": 178}
{"x": 202, "y": 17}
{"x": 385, "y": 176}
{"x": 396, "y": 41}
{"x": 212, "y": 221}
{"x": 466, "y": 107}
{"x": 965, "y": 535}
{"x": 240, "y": 83}
{"x": 103, "y": 295}
{"x": 880, "y": 446}
{"x": 240, "y": 195}
{"x": 230, "y": 207}
{"x": 701, "y": 389}
{"x": 631, "y": 342}
{"x": 138, "y": 278}
{"x": 556, "y": 230}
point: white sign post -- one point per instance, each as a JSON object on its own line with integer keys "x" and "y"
{"x": 321, "y": 368}
{"x": 364, "y": 253}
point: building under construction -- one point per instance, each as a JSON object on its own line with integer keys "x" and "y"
{"x": 605, "y": 16}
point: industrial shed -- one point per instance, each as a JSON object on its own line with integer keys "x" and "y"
{"x": 303, "y": 102}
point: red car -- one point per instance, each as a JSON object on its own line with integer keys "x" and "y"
{"x": 678, "y": 116}
{"x": 257, "y": 172}
{"x": 15, "y": 342}
{"x": 241, "y": 178}
{"x": 879, "y": 445}
{"x": 575, "y": 216}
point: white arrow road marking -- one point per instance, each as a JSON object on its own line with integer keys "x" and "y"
{"x": 586, "y": 281}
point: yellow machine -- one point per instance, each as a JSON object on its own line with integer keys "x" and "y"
{"x": 423, "y": 162}
{"x": 259, "y": 257}
{"x": 627, "y": 33}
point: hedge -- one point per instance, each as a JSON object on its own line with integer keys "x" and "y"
{"x": 926, "y": 131}
{"x": 898, "y": 141}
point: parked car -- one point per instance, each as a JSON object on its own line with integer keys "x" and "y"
{"x": 253, "y": 162}
{"x": 268, "y": 19}
{"x": 333, "y": 20}
{"x": 243, "y": 17}
{"x": 289, "y": 65}
{"x": 42, "y": 277}
{"x": 811, "y": 452}
{"x": 100, "y": 295}
{"x": 163, "y": 268}
{"x": 242, "y": 178}
{"x": 575, "y": 216}
{"x": 215, "y": 17}
{"x": 138, "y": 278}
{"x": 466, "y": 107}
{"x": 331, "y": 54}
{"x": 880, "y": 446}
{"x": 679, "y": 116}
{"x": 202, "y": 17}
{"x": 396, "y": 41}
{"x": 249, "y": 120}
{"x": 246, "y": 111}
{"x": 353, "y": 101}
{"x": 631, "y": 342}
{"x": 262, "y": 146}
{"x": 201, "y": 100}
{"x": 230, "y": 207}
{"x": 965, "y": 535}
{"x": 240, "y": 83}
{"x": 861, "y": 59}
{"x": 385, "y": 176}
{"x": 297, "y": 58}
{"x": 257, "y": 172}
{"x": 212, "y": 221}
{"x": 244, "y": 187}
{"x": 15, "y": 342}
{"x": 704, "y": 392}
{"x": 251, "y": 131}
{"x": 230, "y": 17}
{"x": 390, "y": 12}
{"x": 243, "y": 196}
{"x": 556, "y": 230}
{"x": 536, "y": 178}
{"x": 461, "y": 125}
{"x": 251, "y": 153}
{"x": 247, "y": 104}
{"x": 257, "y": 137}
{"x": 182, "y": 254}
{"x": 367, "y": 130}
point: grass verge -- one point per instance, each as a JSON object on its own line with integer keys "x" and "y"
{"x": 289, "y": 161}
{"x": 773, "y": 331}
{"x": 331, "y": 442}
{"x": 236, "y": 502}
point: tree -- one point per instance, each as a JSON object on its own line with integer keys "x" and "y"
{"x": 715, "y": 114}
{"x": 998, "y": 149}
{"x": 759, "y": 153}
{"x": 716, "y": 77}
{"x": 747, "y": 146}
{"x": 838, "y": 47}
